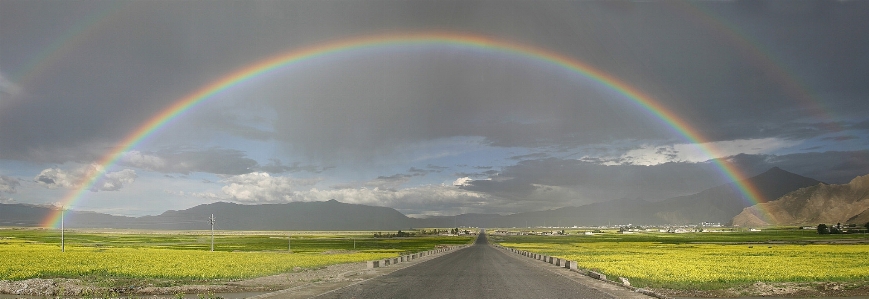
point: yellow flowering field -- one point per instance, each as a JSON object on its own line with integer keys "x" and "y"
{"x": 22, "y": 260}
{"x": 185, "y": 255}
{"x": 699, "y": 266}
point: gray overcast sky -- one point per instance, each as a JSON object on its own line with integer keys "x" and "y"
{"x": 433, "y": 129}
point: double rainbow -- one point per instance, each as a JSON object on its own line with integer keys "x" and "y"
{"x": 457, "y": 39}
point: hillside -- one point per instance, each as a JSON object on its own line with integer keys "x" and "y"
{"x": 328, "y": 215}
{"x": 718, "y": 204}
{"x": 721, "y": 203}
{"x": 33, "y": 215}
{"x": 822, "y": 203}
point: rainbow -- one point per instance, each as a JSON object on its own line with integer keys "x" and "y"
{"x": 78, "y": 33}
{"x": 760, "y": 57}
{"x": 464, "y": 40}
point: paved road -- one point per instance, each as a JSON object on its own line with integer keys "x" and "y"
{"x": 479, "y": 271}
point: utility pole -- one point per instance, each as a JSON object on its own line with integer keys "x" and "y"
{"x": 290, "y": 242}
{"x": 212, "y": 231}
{"x": 354, "y": 243}
{"x": 62, "y": 244}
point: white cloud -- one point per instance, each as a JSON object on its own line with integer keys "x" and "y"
{"x": 693, "y": 152}
{"x": 55, "y": 177}
{"x": 142, "y": 160}
{"x": 212, "y": 160}
{"x": 8, "y": 184}
{"x": 205, "y": 195}
{"x": 114, "y": 181}
{"x": 111, "y": 181}
{"x": 262, "y": 187}
{"x": 462, "y": 181}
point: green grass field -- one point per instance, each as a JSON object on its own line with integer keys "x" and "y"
{"x": 709, "y": 260}
{"x": 31, "y": 253}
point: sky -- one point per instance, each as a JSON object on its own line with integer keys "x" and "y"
{"x": 427, "y": 129}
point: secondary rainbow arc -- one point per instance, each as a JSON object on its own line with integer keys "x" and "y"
{"x": 479, "y": 42}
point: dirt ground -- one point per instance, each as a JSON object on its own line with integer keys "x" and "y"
{"x": 784, "y": 289}
{"x": 301, "y": 283}
{"x": 298, "y": 278}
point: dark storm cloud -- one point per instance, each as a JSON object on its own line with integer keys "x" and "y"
{"x": 833, "y": 167}
{"x": 153, "y": 53}
{"x": 708, "y": 88}
{"x": 390, "y": 182}
{"x": 841, "y": 138}
{"x": 594, "y": 182}
{"x": 863, "y": 125}
{"x": 213, "y": 160}
{"x": 764, "y": 70}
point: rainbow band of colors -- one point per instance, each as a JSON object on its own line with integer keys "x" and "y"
{"x": 477, "y": 42}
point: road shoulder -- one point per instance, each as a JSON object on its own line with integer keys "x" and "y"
{"x": 616, "y": 291}
{"x": 346, "y": 279}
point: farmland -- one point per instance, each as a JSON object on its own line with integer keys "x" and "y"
{"x": 172, "y": 258}
{"x": 709, "y": 261}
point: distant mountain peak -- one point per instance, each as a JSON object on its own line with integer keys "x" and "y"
{"x": 775, "y": 171}
{"x": 776, "y": 182}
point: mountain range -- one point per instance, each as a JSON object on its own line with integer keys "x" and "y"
{"x": 718, "y": 204}
{"x": 821, "y": 203}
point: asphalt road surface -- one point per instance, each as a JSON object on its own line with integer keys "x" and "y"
{"x": 479, "y": 271}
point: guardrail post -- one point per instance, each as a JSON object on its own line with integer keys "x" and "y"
{"x": 373, "y": 264}
{"x": 596, "y": 275}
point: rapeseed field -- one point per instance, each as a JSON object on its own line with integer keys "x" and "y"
{"x": 30, "y": 253}
{"x": 687, "y": 264}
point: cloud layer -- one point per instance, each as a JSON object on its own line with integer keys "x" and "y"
{"x": 428, "y": 128}
{"x": 110, "y": 181}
